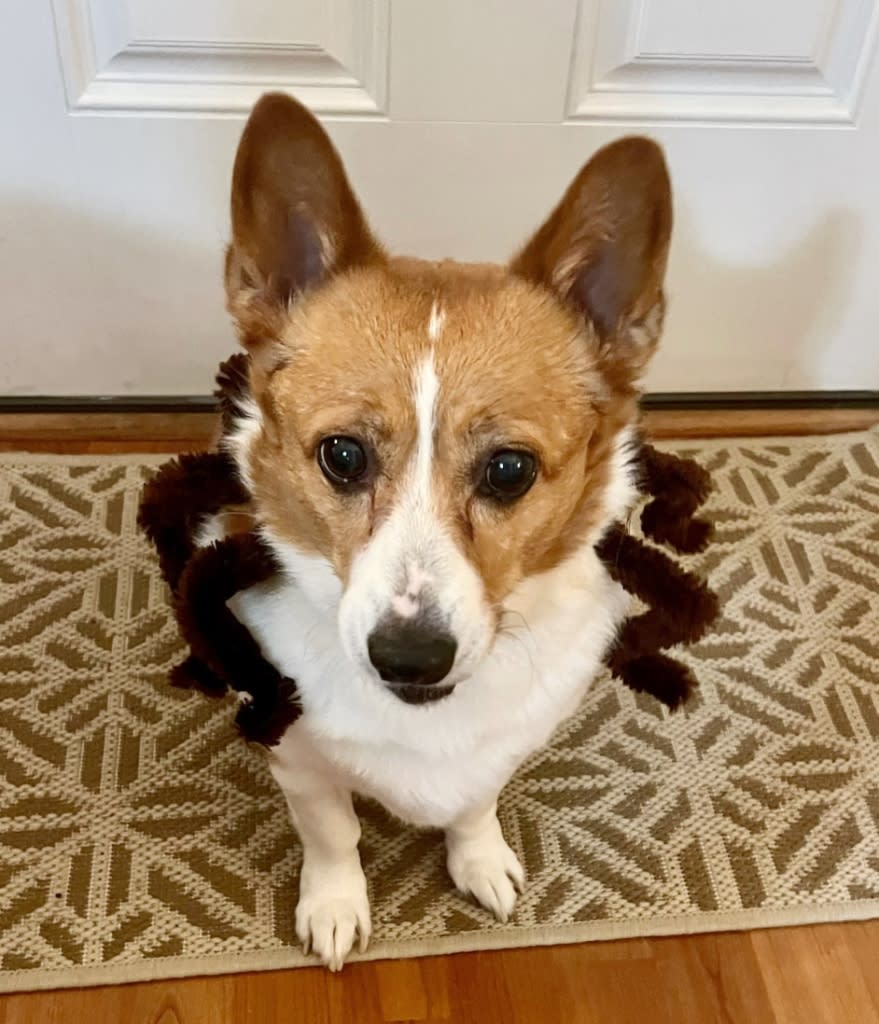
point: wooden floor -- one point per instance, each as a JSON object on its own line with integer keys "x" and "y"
{"x": 823, "y": 974}
{"x": 815, "y": 975}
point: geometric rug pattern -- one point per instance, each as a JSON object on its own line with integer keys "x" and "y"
{"x": 140, "y": 837}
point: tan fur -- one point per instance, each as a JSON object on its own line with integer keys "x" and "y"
{"x": 545, "y": 354}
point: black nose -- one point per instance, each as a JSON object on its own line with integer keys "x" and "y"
{"x": 411, "y": 652}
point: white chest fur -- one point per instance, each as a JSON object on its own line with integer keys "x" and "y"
{"x": 430, "y": 763}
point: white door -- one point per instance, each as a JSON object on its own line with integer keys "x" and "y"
{"x": 461, "y": 121}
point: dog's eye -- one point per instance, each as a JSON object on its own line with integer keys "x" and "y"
{"x": 509, "y": 474}
{"x": 342, "y": 459}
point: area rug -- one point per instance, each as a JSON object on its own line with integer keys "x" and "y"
{"x": 139, "y": 838}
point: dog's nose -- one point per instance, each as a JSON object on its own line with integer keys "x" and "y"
{"x": 411, "y": 652}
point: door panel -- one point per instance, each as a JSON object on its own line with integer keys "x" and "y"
{"x": 219, "y": 56}
{"x": 788, "y": 62}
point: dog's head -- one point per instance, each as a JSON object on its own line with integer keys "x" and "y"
{"x": 424, "y": 437}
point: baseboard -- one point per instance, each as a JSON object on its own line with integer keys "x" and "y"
{"x": 704, "y": 401}
{"x": 710, "y": 400}
{"x": 37, "y": 404}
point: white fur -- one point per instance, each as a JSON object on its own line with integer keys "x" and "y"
{"x": 436, "y": 321}
{"x": 431, "y": 763}
{"x": 211, "y": 530}
{"x": 622, "y": 492}
{"x": 247, "y": 429}
{"x": 314, "y": 575}
{"x": 408, "y": 603}
{"x": 481, "y": 863}
{"x": 426, "y": 388}
{"x": 333, "y": 908}
{"x": 333, "y": 904}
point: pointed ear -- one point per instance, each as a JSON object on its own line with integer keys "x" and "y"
{"x": 295, "y": 218}
{"x": 603, "y": 249}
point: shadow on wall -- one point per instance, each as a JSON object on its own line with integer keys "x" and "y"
{"x": 770, "y": 323}
{"x": 95, "y": 307}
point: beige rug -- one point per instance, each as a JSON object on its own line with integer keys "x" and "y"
{"x": 140, "y": 839}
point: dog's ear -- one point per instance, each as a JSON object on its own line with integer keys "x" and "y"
{"x": 604, "y": 248}
{"x": 295, "y": 218}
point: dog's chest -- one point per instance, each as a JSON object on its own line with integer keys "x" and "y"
{"x": 431, "y": 763}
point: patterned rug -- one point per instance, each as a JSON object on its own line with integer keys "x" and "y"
{"x": 139, "y": 838}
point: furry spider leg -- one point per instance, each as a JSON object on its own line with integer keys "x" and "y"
{"x": 680, "y": 608}
{"x": 218, "y": 640}
{"x": 678, "y": 487}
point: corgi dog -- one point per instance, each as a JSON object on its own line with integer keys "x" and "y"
{"x": 433, "y": 450}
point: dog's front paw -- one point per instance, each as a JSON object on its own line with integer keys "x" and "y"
{"x": 486, "y": 868}
{"x": 333, "y": 909}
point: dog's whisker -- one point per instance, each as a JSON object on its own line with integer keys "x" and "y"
{"x": 514, "y": 630}
{"x": 511, "y": 612}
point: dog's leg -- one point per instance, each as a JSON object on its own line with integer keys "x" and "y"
{"x": 480, "y": 862}
{"x": 333, "y": 905}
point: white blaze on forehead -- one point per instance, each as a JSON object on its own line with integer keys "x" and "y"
{"x": 417, "y": 499}
{"x": 436, "y": 321}
{"x": 426, "y": 389}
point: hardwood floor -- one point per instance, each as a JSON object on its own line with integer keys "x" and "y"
{"x": 825, "y": 974}
{"x": 822, "y": 974}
